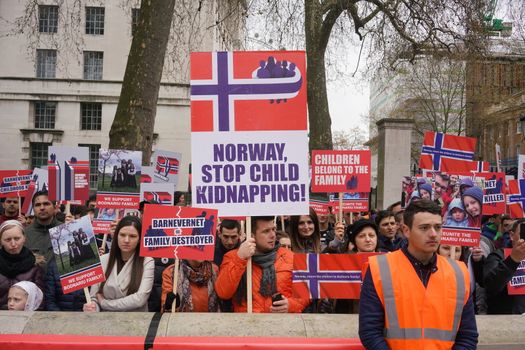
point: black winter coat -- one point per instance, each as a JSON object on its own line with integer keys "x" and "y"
{"x": 55, "y": 300}
{"x": 497, "y": 272}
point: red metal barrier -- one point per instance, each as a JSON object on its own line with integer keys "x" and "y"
{"x": 82, "y": 342}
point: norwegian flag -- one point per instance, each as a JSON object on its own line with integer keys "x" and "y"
{"x": 444, "y": 152}
{"x": 516, "y": 198}
{"x": 328, "y": 275}
{"x": 159, "y": 197}
{"x": 247, "y": 91}
{"x": 167, "y": 165}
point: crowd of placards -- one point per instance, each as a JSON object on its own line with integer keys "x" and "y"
{"x": 264, "y": 230}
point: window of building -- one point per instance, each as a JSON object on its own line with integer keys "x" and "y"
{"x": 95, "y": 20}
{"x": 93, "y": 163}
{"x": 518, "y": 127}
{"x": 93, "y": 65}
{"x": 90, "y": 116}
{"x": 45, "y": 113}
{"x": 46, "y": 61}
{"x": 47, "y": 19}
{"x": 39, "y": 154}
{"x": 135, "y": 13}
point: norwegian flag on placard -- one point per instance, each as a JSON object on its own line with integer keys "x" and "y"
{"x": 336, "y": 276}
{"x": 248, "y": 91}
{"x": 516, "y": 198}
{"x": 166, "y": 165}
{"x": 159, "y": 197}
{"x": 444, "y": 152}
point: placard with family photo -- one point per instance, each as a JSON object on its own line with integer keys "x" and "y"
{"x": 76, "y": 254}
{"x": 118, "y": 178}
{"x": 461, "y": 198}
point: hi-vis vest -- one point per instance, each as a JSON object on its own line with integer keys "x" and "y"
{"x": 417, "y": 317}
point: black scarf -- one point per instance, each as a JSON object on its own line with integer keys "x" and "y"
{"x": 11, "y": 265}
{"x": 268, "y": 279}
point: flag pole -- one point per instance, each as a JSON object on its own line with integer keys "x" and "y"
{"x": 341, "y": 206}
{"x": 249, "y": 269}
{"x": 86, "y": 294}
{"x": 175, "y": 282}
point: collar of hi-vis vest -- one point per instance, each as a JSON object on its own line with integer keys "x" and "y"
{"x": 423, "y": 270}
{"x": 394, "y": 331}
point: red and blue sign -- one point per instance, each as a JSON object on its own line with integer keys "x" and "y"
{"x": 249, "y": 125}
{"x": 444, "y": 152}
{"x": 15, "y": 183}
{"x": 240, "y": 91}
{"x": 516, "y": 198}
{"x": 178, "y": 232}
{"x": 336, "y": 276}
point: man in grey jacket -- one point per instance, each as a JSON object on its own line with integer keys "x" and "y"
{"x": 37, "y": 235}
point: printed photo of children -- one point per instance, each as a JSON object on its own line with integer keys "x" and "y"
{"x": 461, "y": 198}
{"x": 119, "y": 171}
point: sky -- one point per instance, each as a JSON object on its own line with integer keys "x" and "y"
{"x": 348, "y": 102}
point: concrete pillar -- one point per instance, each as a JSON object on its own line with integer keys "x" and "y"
{"x": 394, "y": 146}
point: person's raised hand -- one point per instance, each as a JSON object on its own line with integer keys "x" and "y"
{"x": 247, "y": 248}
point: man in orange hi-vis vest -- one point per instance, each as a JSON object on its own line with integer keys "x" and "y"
{"x": 414, "y": 298}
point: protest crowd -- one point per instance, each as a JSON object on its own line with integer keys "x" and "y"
{"x": 29, "y": 279}
{"x": 252, "y": 237}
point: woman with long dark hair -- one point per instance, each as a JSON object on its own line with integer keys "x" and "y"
{"x": 129, "y": 277}
{"x": 305, "y": 234}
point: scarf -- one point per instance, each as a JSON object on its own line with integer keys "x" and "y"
{"x": 11, "y": 265}
{"x": 204, "y": 275}
{"x": 34, "y": 294}
{"x": 268, "y": 279}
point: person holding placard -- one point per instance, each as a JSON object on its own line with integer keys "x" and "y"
{"x": 17, "y": 263}
{"x": 362, "y": 238}
{"x": 195, "y": 287}
{"x": 129, "y": 277}
{"x": 55, "y": 299}
{"x": 498, "y": 270}
{"x": 271, "y": 276}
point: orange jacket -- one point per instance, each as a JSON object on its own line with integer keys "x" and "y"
{"x": 232, "y": 269}
{"x": 417, "y": 317}
{"x": 199, "y": 294}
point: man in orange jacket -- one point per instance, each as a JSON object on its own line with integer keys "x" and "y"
{"x": 413, "y": 298}
{"x": 271, "y": 272}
